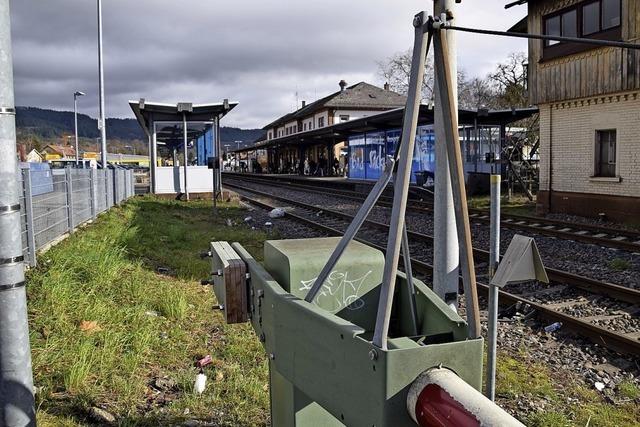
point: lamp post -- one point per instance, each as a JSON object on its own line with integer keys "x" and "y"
{"x": 75, "y": 119}
{"x": 102, "y": 125}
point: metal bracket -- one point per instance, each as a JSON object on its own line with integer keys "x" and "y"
{"x": 12, "y": 286}
{"x": 8, "y": 111}
{"x": 10, "y": 208}
{"x": 11, "y": 260}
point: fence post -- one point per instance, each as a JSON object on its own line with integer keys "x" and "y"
{"x": 116, "y": 201}
{"x": 93, "y": 178}
{"x": 69, "y": 188}
{"x": 28, "y": 207}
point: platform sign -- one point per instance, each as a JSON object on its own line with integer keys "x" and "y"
{"x": 357, "y": 157}
{"x": 375, "y": 153}
{"x": 204, "y": 145}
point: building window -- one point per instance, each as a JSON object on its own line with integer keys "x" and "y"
{"x": 605, "y": 153}
{"x": 599, "y": 19}
{"x": 304, "y": 126}
{"x": 610, "y": 14}
{"x": 344, "y": 117}
{"x": 320, "y": 122}
{"x": 590, "y": 18}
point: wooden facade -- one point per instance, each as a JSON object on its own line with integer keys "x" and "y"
{"x": 594, "y": 72}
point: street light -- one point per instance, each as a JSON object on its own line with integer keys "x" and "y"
{"x": 75, "y": 117}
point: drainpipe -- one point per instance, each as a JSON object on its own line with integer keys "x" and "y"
{"x": 550, "y": 157}
{"x": 17, "y": 406}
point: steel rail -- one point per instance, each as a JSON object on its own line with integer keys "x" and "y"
{"x": 512, "y": 221}
{"x": 621, "y": 293}
{"x": 610, "y": 339}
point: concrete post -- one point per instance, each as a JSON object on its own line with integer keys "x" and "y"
{"x": 446, "y": 255}
{"x": 494, "y": 291}
{"x": 69, "y": 189}
{"x": 28, "y": 207}
{"x": 17, "y": 404}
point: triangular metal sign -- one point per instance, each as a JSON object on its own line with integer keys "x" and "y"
{"x": 520, "y": 263}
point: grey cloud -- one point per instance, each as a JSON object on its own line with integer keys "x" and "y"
{"x": 256, "y": 52}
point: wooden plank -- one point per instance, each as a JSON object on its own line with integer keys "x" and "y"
{"x": 230, "y": 287}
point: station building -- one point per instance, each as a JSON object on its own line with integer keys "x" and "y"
{"x": 366, "y": 141}
{"x": 589, "y": 101}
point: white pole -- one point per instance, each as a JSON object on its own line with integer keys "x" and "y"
{"x": 102, "y": 122}
{"x": 75, "y": 119}
{"x": 494, "y": 291}
{"x": 184, "y": 132}
{"x": 446, "y": 256}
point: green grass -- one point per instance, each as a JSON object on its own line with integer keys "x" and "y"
{"x": 520, "y": 377}
{"x": 518, "y": 205}
{"x": 619, "y": 264}
{"x": 107, "y": 273}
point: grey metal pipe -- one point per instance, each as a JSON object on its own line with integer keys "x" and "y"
{"x": 494, "y": 291}
{"x": 75, "y": 127}
{"x": 17, "y": 404}
{"x": 103, "y": 122}
{"x": 401, "y": 184}
{"x": 446, "y": 259}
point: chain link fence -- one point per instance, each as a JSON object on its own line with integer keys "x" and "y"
{"x": 55, "y": 202}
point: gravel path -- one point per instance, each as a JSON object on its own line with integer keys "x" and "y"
{"x": 575, "y": 257}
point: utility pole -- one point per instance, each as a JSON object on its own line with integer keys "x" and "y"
{"x": 102, "y": 123}
{"x": 75, "y": 120}
{"x": 17, "y": 404}
{"x": 446, "y": 258}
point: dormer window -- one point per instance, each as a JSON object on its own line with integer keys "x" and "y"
{"x": 598, "y": 19}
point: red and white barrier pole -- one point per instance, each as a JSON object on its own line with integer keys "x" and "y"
{"x": 440, "y": 398}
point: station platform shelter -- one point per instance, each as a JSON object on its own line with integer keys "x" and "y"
{"x": 357, "y": 148}
{"x": 183, "y": 139}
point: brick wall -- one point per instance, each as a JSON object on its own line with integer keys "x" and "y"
{"x": 570, "y": 129}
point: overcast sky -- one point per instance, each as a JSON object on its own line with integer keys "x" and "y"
{"x": 259, "y": 53}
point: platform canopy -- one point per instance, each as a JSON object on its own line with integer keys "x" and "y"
{"x": 184, "y": 138}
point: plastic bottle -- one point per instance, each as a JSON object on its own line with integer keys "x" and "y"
{"x": 553, "y": 327}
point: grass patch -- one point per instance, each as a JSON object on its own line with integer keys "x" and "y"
{"x": 619, "y": 264}
{"x": 97, "y": 341}
{"x": 562, "y": 402}
{"x": 518, "y": 205}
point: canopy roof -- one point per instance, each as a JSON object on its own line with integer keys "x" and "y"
{"x": 148, "y": 112}
{"x": 391, "y": 119}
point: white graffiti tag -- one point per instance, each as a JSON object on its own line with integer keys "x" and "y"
{"x": 338, "y": 290}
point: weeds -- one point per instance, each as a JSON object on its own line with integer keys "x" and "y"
{"x": 143, "y": 325}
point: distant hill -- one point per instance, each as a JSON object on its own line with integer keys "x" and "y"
{"x": 50, "y": 124}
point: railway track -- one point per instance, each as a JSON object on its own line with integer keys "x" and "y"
{"x": 571, "y": 287}
{"x": 621, "y": 239}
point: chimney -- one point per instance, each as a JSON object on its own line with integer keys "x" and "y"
{"x": 304, "y": 103}
{"x": 342, "y": 85}
{"x": 386, "y": 86}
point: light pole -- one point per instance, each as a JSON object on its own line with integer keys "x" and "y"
{"x": 75, "y": 118}
{"x": 102, "y": 125}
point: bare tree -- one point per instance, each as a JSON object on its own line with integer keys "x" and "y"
{"x": 510, "y": 80}
{"x": 396, "y": 70}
